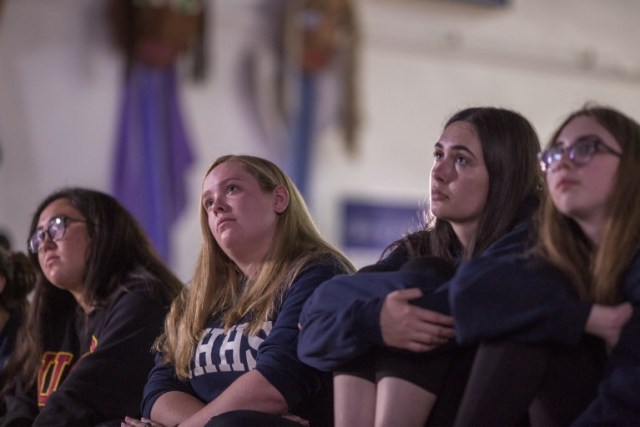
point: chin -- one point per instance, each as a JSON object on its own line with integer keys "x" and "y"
{"x": 573, "y": 212}
{"x": 438, "y": 212}
{"x": 58, "y": 285}
{"x": 567, "y": 209}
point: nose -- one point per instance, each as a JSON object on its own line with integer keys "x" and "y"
{"x": 47, "y": 242}
{"x": 219, "y": 206}
{"x": 443, "y": 170}
{"x": 564, "y": 161}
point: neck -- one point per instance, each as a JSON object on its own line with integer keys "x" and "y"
{"x": 592, "y": 225}
{"x": 248, "y": 269}
{"x": 81, "y": 300}
{"x": 592, "y": 231}
{"x": 249, "y": 263}
{"x": 466, "y": 234}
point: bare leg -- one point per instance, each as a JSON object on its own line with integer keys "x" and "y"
{"x": 402, "y": 403}
{"x": 354, "y": 401}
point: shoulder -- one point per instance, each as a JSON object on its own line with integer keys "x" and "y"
{"x": 134, "y": 295}
{"x": 132, "y": 308}
{"x": 314, "y": 273}
{"x": 143, "y": 284}
{"x": 515, "y": 242}
{"x": 325, "y": 266}
{"x": 394, "y": 260}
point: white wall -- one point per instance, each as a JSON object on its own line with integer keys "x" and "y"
{"x": 421, "y": 61}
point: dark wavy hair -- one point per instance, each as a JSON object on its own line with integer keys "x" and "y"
{"x": 119, "y": 254}
{"x": 510, "y": 146}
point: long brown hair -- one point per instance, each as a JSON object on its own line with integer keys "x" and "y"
{"x": 118, "y": 251}
{"x": 509, "y": 146}
{"x": 216, "y": 284}
{"x": 596, "y": 271}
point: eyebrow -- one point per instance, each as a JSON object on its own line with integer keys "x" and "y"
{"x": 456, "y": 147}
{"x": 580, "y": 138}
{"x": 221, "y": 184}
{"x": 47, "y": 222}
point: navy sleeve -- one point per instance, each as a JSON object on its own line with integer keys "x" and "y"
{"x": 618, "y": 398}
{"x": 341, "y": 320}
{"x": 512, "y": 244}
{"x": 107, "y": 384}
{"x": 277, "y": 358}
{"x": 162, "y": 379}
{"x": 526, "y": 300}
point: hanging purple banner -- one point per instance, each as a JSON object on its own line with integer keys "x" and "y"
{"x": 153, "y": 153}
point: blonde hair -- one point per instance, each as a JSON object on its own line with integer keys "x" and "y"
{"x": 596, "y": 272}
{"x": 217, "y": 288}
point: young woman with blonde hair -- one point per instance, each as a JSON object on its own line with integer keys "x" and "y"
{"x": 229, "y": 345}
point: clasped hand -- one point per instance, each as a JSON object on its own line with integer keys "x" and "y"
{"x": 407, "y": 326}
{"x": 607, "y": 322}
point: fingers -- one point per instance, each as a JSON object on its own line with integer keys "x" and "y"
{"x": 428, "y": 331}
{"x": 407, "y": 326}
{"x": 134, "y": 422}
{"x": 625, "y": 311}
{"x": 434, "y": 317}
{"x": 297, "y": 419}
{"x": 406, "y": 294}
{"x": 128, "y": 421}
{"x": 430, "y": 335}
{"x": 418, "y": 347}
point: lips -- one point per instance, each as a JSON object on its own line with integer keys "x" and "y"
{"x": 50, "y": 259}
{"x": 565, "y": 183}
{"x": 222, "y": 221}
{"x": 437, "y": 195}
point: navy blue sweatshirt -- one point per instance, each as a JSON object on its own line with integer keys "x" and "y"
{"x": 341, "y": 320}
{"x": 221, "y": 358}
{"x": 529, "y": 300}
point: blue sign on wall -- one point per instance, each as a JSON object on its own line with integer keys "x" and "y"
{"x": 374, "y": 225}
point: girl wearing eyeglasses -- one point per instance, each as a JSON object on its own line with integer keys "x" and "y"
{"x": 17, "y": 279}
{"x": 562, "y": 335}
{"x": 101, "y": 295}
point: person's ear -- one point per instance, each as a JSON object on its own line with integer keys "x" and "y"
{"x": 281, "y": 199}
{"x": 3, "y": 282}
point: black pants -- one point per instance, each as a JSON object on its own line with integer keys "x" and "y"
{"x": 519, "y": 384}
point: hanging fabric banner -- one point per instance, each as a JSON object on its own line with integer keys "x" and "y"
{"x": 153, "y": 151}
{"x": 320, "y": 40}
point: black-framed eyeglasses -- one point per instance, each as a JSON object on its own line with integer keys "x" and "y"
{"x": 580, "y": 152}
{"x": 55, "y": 230}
